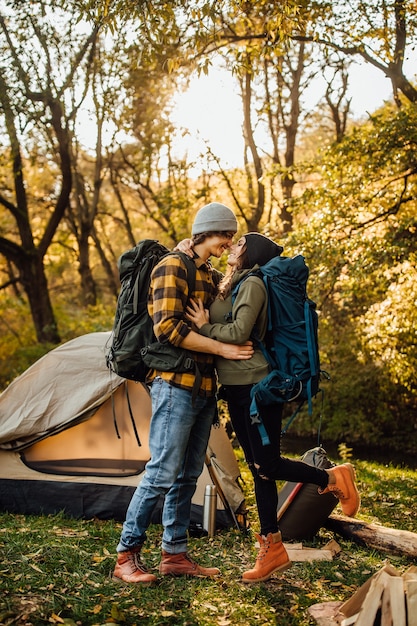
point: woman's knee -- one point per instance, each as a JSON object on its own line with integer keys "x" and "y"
{"x": 266, "y": 471}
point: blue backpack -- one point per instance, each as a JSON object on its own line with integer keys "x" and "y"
{"x": 291, "y": 342}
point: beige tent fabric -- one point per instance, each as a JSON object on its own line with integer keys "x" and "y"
{"x": 60, "y": 414}
{"x": 96, "y": 443}
{"x": 64, "y": 387}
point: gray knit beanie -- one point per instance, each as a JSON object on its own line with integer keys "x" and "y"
{"x": 214, "y": 217}
{"x": 260, "y": 249}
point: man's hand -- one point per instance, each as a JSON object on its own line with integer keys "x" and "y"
{"x": 234, "y": 352}
{"x": 199, "y": 343}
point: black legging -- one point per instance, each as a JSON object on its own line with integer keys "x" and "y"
{"x": 265, "y": 461}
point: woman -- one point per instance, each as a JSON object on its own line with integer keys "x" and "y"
{"x": 235, "y": 324}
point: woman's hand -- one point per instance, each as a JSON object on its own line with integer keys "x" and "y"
{"x": 197, "y": 314}
{"x": 186, "y": 245}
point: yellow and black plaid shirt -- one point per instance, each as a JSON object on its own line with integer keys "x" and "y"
{"x": 168, "y": 297}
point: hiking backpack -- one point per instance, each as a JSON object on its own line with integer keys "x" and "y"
{"x": 291, "y": 342}
{"x": 133, "y": 347}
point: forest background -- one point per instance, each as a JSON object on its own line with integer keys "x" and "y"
{"x": 339, "y": 190}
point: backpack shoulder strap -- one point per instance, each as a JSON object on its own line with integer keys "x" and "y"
{"x": 254, "y": 335}
{"x": 236, "y": 288}
{"x": 191, "y": 270}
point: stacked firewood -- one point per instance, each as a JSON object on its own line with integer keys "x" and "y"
{"x": 387, "y": 598}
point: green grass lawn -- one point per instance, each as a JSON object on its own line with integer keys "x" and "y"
{"x": 56, "y": 570}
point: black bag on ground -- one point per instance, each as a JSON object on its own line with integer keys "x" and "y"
{"x": 302, "y": 511}
{"x": 133, "y": 348}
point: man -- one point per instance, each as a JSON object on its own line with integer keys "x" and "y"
{"x": 181, "y": 422}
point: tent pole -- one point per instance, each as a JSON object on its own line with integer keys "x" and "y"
{"x": 221, "y": 492}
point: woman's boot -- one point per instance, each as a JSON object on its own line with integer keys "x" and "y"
{"x": 272, "y": 557}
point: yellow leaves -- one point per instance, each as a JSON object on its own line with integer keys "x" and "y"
{"x": 36, "y": 568}
{"x": 92, "y": 583}
{"x": 117, "y": 614}
{"x": 56, "y": 619}
{"x": 99, "y": 558}
{"x": 172, "y": 64}
{"x": 211, "y": 607}
{"x": 69, "y": 532}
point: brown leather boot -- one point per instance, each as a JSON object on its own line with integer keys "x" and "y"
{"x": 342, "y": 485}
{"x": 272, "y": 557}
{"x": 130, "y": 569}
{"x": 182, "y": 565}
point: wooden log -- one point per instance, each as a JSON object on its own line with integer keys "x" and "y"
{"x": 397, "y": 601}
{"x": 386, "y": 612}
{"x": 297, "y": 552}
{"x": 411, "y": 595}
{"x": 376, "y": 536}
{"x": 373, "y": 600}
{"x": 325, "y": 613}
{"x": 353, "y": 605}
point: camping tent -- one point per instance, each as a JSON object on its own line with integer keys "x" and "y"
{"x": 74, "y": 438}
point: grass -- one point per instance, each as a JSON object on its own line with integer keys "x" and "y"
{"x": 56, "y": 570}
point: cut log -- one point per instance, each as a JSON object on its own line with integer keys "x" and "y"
{"x": 325, "y": 613}
{"x": 386, "y": 612}
{"x": 411, "y": 595}
{"x": 297, "y": 552}
{"x": 376, "y": 536}
{"x": 397, "y": 601}
{"x": 373, "y": 600}
{"x": 353, "y": 605}
{"x": 385, "y": 599}
{"x": 411, "y": 573}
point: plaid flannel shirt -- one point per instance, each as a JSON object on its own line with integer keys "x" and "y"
{"x": 167, "y": 301}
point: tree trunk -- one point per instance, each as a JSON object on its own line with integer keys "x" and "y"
{"x": 258, "y": 203}
{"x": 88, "y": 285}
{"x": 35, "y": 284}
{"x": 113, "y": 282}
{"x": 392, "y": 540}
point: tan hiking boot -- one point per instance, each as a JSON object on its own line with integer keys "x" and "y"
{"x": 182, "y": 565}
{"x": 344, "y": 488}
{"x": 272, "y": 557}
{"x": 130, "y": 569}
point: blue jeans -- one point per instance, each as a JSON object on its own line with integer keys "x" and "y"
{"x": 178, "y": 439}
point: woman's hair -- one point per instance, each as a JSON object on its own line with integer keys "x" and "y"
{"x": 225, "y": 284}
{"x": 258, "y": 250}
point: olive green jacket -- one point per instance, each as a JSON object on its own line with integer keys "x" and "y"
{"x": 249, "y": 310}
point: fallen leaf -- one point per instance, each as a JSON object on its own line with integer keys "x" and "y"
{"x": 117, "y": 614}
{"x": 211, "y": 607}
{"x": 36, "y": 568}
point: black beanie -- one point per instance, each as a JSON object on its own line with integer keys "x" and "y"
{"x": 261, "y": 249}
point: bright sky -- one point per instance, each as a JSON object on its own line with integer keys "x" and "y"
{"x": 212, "y": 111}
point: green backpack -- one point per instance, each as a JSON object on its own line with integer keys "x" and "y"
{"x": 133, "y": 348}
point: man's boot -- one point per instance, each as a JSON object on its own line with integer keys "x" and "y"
{"x": 182, "y": 565}
{"x": 130, "y": 569}
{"x": 272, "y": 557}
{"x": 342, "y": 485}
